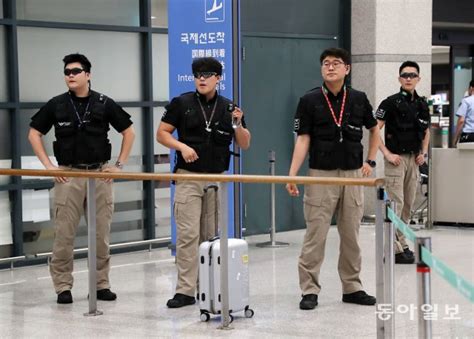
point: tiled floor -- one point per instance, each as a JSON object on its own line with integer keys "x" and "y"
{"x": 145, "y": 280}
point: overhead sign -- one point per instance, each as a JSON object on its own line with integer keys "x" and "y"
{"x": 199, "y": 28}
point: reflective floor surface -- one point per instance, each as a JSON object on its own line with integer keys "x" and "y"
{"x": 145, "y": 280}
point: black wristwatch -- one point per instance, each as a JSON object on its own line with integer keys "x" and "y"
{"x": 371, "y": 163}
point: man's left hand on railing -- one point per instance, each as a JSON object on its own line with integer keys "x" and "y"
{"x": 60, "y": 180}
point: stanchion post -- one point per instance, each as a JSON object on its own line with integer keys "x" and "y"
{"x": 271, "y": 160}
{"x": 92, "y": 247}
{"x": 272, "y": 243}
{"x": 224, "y": 275}
{"x": 379, "y": 253}
{"x": 423, "y": 288}
{"x": 389, "y": 263}
{"x": 429, "y": 207}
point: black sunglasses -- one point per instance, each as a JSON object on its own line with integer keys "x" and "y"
{"x": 205, "y": 75}
{"x": 409, "y": 75}
{"x": 73, "y": 71}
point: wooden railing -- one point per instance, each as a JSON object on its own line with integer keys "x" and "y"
{"x": 244, "y": 178}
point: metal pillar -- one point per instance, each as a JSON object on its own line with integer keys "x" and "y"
{"x": 379, "y": 258}
{"x": 92, "y": 245}
{"x": 236, "y": 63}
{"x": 224, "y": 275}
{"x": 389, "y": 267}
{"x": 272, "y": 243}
{"x": 429, "y": 215}
{"x": 423, "y": 288}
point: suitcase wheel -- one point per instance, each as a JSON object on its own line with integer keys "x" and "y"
{"x": 205, "y": 317}
{"x": 249, "y": 313}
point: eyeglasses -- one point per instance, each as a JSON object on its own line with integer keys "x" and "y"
{"x": 73, "y": 71}
{"x": 334, "y": 64}
{"x": 409, "y": 75}
{"x": 205, "y": 75}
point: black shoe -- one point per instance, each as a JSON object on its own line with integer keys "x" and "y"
{"x": 180, "y": 300}
{"x": 65, "y": 297}
{"x": 309, "y": 302}
{"x": 106, "y": 294}
{"x": 402, "y": 258}
{"x": 409, "y": 253}
{"x": 359, "y": 297}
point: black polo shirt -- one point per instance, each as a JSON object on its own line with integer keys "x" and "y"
{"x": 333, "y": 147}
{"x": 115, "y": 115}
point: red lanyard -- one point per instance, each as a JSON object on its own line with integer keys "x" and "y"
{"x": 341, "y": 113}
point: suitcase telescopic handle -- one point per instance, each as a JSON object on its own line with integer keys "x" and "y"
{"x": 216, "y": 202}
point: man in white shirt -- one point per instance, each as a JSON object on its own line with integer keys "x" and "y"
{"x": 465, "y": 114}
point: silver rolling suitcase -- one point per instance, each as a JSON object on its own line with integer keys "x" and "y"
{"x": 209, "y": 277}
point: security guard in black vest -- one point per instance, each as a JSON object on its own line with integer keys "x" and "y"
{"x": 81, "y": 119}
{"x": 329, "y": 122}
{"x": 206, "y": 123}
{"x": 406, "y": 118}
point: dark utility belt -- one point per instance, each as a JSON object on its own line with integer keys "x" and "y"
{"x": 87, "y": 166}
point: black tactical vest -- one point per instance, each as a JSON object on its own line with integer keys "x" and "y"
{"x": 77, "y": 143}
{"x": 327, "y": 151}
{"x": 212, "y": 147}
{"x": 405, "y": 127}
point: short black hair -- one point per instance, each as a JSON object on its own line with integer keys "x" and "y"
{"x": 80, "y": 58}
{"x": 409, "y": 63}
{"x": 471, "y": 84}
{"x": 207, "y": 64}
{"x": 336, "y": 52}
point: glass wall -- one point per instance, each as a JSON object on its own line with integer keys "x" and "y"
{"x": 162, "y": 189}
{"x": 46, "y": 30}
{"x": 5, "y": 220}
{"x": 3, "y": 66}
{"x": 6, "y": 232}
{"x": 115, "y": 58}
{"x": 5, "y": 140}
{"x": 160, "y": 67}
{"x": 159, "y": 19}
{"x": 5, "y": 162}
{"x": 159, "y": 13}
{"x": 103, "y": 12}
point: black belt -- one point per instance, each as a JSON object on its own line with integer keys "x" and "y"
{"x": 87, "y": 166}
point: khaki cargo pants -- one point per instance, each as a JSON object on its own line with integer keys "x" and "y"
{"x": 320, "y": 203}
{"x": 70, "y": 203}
{"x": 401, "y": 182}
{"x": 194, "y": 213}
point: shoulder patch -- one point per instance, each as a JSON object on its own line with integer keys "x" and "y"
{"x": 380, "y": 114}
{"x": 102, "y": 97}
{"x": 296, "y": 126}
